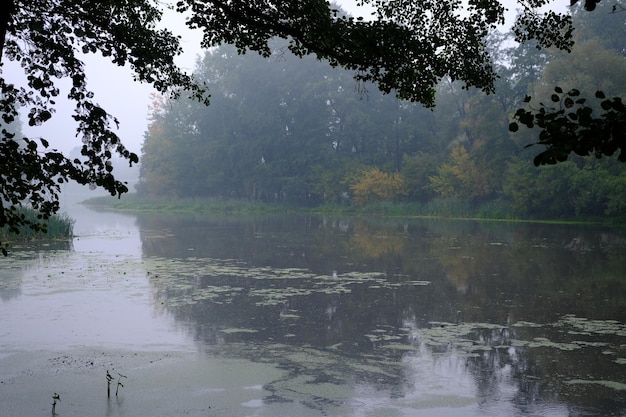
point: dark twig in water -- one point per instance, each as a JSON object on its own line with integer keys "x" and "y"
{"x": 109, "y": 379}
{"x": 119, "y": 383}
{"x": 56, "y": 397}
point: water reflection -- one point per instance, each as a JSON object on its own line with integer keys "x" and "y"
{"x": 91, "y": 291}
{"x": 489, "y": 319}
{"x": 104, "y": 232}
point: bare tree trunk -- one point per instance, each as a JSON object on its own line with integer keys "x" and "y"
{"x": 7, "y": 9}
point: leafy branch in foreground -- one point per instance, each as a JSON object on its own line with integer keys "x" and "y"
{"x": 46, "y": 39}
{"x": 570, "y": 126}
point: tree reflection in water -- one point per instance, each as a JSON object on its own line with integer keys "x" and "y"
{"x": 498, "y": 318}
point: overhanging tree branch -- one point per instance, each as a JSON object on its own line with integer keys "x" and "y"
{"x": 571, "y": 127}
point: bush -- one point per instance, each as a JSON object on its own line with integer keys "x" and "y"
{"x": 375, "y": 186}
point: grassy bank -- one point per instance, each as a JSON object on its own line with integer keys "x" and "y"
{"x": 132, "y": 202}
{"x": 57, "y": 227}
{"x": 448, "y": 208}
{"x": 436, "y": 208}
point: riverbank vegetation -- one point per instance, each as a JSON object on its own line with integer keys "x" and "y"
{"x": 292, "y": 132}
{"x": 438, "y": 208}
{"x": 56, "y": 227}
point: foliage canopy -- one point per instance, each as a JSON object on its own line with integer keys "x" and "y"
{"x": 283, "y": 128}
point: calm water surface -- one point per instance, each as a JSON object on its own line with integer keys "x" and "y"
{"x": 365, "y": 317}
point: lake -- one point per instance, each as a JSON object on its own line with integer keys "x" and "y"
{"x": 342, "y": 316}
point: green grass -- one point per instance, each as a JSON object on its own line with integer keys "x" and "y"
{"x": 132, "y": 202}
{"x": 57, "y": 227}
{"x": 497, "y": 210}
{"x": 442, "y": 208}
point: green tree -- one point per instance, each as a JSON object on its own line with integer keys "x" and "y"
{"x": 417, "y": 170}
{"x": 532, "y": 190}
{"x": 585, "y": 186}
{"x": 279, "y": 128}
{"x": 268, "y": 125}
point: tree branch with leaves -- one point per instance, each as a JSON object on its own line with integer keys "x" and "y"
{"x": 48, "y": 38}
{"x": 569, "y": 126}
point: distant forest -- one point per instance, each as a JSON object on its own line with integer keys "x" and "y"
{"x": 297, "y": 131}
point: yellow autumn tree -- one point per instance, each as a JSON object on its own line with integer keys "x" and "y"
{"x": 376, "y": 185}
{"x": 461, "y": 177}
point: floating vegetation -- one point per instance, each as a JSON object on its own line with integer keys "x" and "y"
{"x": 286, "y": 316}
{"x": 618, "y": 386}
{"x": 235, "y": 330}
{"x": 183, "y": 281}
{"x": 584, "y": 326}
{"x": 223, "y": 295}
{"x": 522, "y": 323}
{"x": 307, "y": 388}
{"x": 451, "y": 335}
{"x": 542, "y": 342}
{"x": 319, "y": 377}
{"x": 58, "y": 226}
{"x": 469, "y": 339}
{"x": 277, "y": 296}
{"x": 384, "y": 334}
{"x": 399, "y": 347}
{"x": 381, "y": 338}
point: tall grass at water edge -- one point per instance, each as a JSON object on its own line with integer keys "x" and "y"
{"x": 56, "y": 227}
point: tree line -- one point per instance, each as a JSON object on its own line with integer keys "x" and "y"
{"x": 283, "y": 128}
{"x": 405, "y": 49}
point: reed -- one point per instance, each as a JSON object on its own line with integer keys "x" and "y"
{"x": 56, "y": 227}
